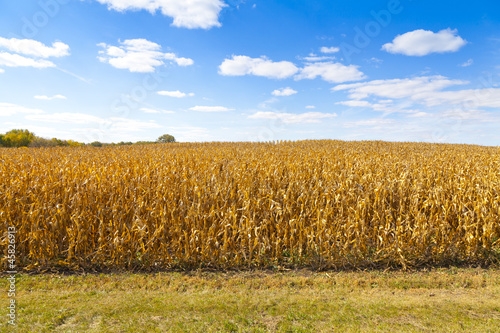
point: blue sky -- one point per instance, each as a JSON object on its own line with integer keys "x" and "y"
{"x": 229, "y": 70}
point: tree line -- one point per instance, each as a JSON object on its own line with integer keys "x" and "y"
{"x": 24, "y": 138}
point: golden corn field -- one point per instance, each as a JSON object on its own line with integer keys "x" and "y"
{"x": 320, "y": 204}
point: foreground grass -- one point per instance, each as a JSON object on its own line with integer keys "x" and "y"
{"x": 442, "y": 300}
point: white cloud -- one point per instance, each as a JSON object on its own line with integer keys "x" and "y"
{"x": 332, "y": 49}
{"x": 310, "y": 107}
{"x": 423, "y": 42}
{"x": 49, "y": 98}
{"x": 420, "y": 115}
{"x": 138, "y": 55}
{"x": 16, "y": 60}
{"x": 177, "y": 94}
{"x": 284, "y": 92}
{"x": 184, "y": 61}
{"x": 398, "y": 88}
{"x": 467, "y": 63}
{"x": 355, "y": 103}
{"x": 27, "y": 53}
{"x": 8, "y": 109}
{"x": 189, "y": 14}
{"x": 427, "y": 91}
{"x": 381, "y": 106}
{"x": 210, "y": 108}
{"x": 330, "y": 72}
{"x": 34, "y": 48}
{"x": 150, "y": 110}
{"x": 291, "y": 118}
{"x": 313, "y": 58}
{"x": 242, "y": 65}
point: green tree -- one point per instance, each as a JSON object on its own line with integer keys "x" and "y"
{"x": 96, "y": 144}
{"x": 17, "y": 138}
{"x": 165, "y": 138}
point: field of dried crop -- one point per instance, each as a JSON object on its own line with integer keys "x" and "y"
{"x": 318, "y": 204}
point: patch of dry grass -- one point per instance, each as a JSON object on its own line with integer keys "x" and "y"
{"x": 450, "y": 300}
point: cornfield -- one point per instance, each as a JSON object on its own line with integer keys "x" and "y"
{"x": 321, "y": 204}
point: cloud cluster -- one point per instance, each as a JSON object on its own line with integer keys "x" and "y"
{"x": 414, "y": 88}
{"x": 408, "y": 95}
{"x": 8, "y": 109}
{"x": 151, "y": 110}
{"x": 176, "y": 94}
{"x": 189, "y": 14}
{"x": 240, "y": 65}
{"x": 333, "y": 72}
{"x": 49, "y": 98}
{"x": 423, "y": 42}
{"x": 29, "y": 53}
{"x": 332, "y": 49}
{"x": 138, "y": 55}
{"x": 284, "y": 92}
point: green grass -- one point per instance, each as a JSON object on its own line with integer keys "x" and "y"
{"x": 441, "y": 300}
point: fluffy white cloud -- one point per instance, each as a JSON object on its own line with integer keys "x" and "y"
{"x": 177, "y": 94}
{"x": 184, "y": 61}
{"x": 284, "y": 92}
{"x": 8, "y": 109}
{"x": 210, "y": 108}
{"x": 150, "y": 110}
{"x": 2, "y": 70}
{"x": 242, "y": 65}
{"x": 27, "y": 53}
{"x": 332, "y": 49}
{"x": 16, "y": 60}
{"x": 34, "y": 48}
{"x": 422, "y": 42}
{"x": 292, "y": 118}
{"x": 189, "y": 14}
{"x": 138, "y": 55}
{"x": 310, "y": 107}
{"x": 330, "y": 72}
{"x": 49, "y": 98}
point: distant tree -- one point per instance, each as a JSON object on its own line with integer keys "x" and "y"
{"x": 165, "y": 138}
{"x": 96, "y": 144}
{"x": 41, "y": 142}
{"x": 72, "y": 143}
{"x": 17, "y": 138}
